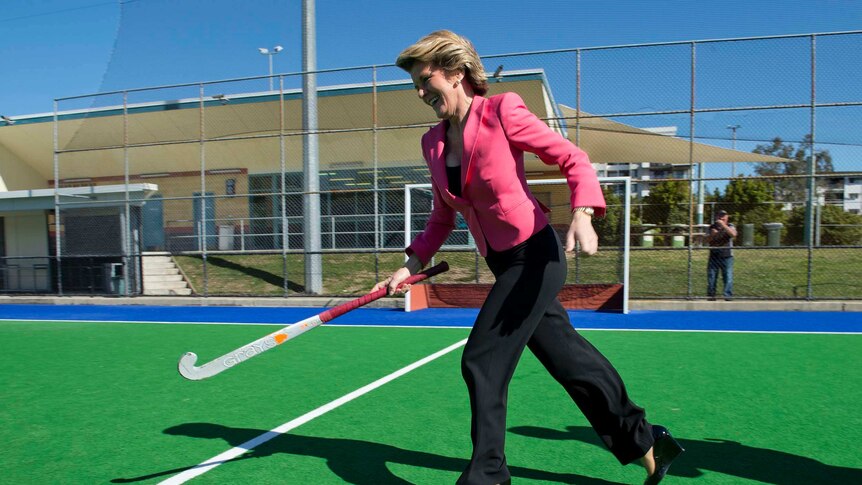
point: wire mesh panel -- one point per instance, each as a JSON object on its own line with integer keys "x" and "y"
{"x": 95, "y": 228}
{"x": 26, "y": 275}
{"x": 223, "y": 178}
{"x": 590, "y": 278}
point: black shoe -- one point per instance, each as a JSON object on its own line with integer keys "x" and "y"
{"x": 665, "y": 450}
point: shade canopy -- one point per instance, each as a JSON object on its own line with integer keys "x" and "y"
{"x": 261, "y": 132}
{"x": 608, "y": 141}
{"x": 76, "y": 197}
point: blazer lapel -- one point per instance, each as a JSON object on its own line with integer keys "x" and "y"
{"x": 437, "y": 160}
{"x": 471, "y": 135}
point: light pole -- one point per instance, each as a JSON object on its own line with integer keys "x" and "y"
{"x": 733, "y": 129}
{"x": 269, "y": 53}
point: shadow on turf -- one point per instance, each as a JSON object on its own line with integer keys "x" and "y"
{"x": 354, "y": 461}
{"x": 271, "y": 278}
{"x": 724, "y": 456}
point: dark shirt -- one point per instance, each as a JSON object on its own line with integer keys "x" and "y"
{"x": 454, "y": 176}
{"x": 721, "y": 245}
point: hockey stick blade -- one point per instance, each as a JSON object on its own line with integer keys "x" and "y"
{"x": 190, "y": 371}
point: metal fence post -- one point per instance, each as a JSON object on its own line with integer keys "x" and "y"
{"x": 700, "y": 172}
{"x": 58, "y": 238}
{"x": 812, "y": 169}
{"x": 282, "y": 156}
{"x": 376, "y": 174}
{"x": 203, "y": 200}
{"x": 126, "y": 227}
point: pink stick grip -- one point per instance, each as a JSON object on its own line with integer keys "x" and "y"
{"x": 339, "y": 310}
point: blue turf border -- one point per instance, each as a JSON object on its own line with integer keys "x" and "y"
{"x": 741, "y": 321}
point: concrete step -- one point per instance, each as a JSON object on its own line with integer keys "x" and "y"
{"x": 165, "y": 283}
{"x": 162, "y": 277}
{"x": 159, "y": 265}
{"x": 168, "y": 291}
{"x": 151, "y": 278}
{"x": 161, "y": 271}
{"x": 157, "y": 259}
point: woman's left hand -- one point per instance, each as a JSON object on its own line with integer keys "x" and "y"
{"x": 393, "y": 283}
{"x": 582, "y": 231}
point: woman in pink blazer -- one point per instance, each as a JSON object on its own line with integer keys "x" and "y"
{"x": 476, "y": 159}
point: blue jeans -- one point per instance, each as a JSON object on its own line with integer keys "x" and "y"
{"x": 716, "y": 264}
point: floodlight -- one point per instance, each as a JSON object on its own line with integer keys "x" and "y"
{"x": 269, "y": 53}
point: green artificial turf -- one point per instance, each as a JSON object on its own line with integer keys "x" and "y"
{"x": 103, "y": 403}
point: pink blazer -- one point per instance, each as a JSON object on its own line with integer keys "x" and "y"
{"x": 495, "y": 199}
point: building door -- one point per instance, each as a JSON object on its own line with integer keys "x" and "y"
{"x": 154, "y": 224}
{"x": 204, "y": 223}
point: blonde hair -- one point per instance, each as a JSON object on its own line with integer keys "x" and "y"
{"x": 450, "y": 52}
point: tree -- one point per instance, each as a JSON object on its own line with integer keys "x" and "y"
{"x": 751, "y": 201}
{"x": 743, "y": 192}
{"x": 837, "y": 227}
{"x": 791, "y": 189}
{"x": 667, "y": 203}
{"x": 609, "y": 228}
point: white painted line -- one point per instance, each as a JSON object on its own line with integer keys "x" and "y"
{"x": 284, "y": 428}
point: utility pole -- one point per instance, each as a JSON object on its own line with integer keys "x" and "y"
{"x": 310, "y": 161}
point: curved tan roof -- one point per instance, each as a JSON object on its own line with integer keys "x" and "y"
{"x": 242, "y": 129}
{"x": 608, "y": 141}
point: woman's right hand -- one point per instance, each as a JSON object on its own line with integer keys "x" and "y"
{"x": 392, "y": 283}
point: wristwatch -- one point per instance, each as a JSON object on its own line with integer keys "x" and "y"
{"x": 586, "y": 210}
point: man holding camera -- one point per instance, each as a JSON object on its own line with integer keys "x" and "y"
{"x": 720, "y": 239}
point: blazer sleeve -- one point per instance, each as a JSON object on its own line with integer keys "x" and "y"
{"x": 437, "y": 229}
{"x": 527, "y": 132}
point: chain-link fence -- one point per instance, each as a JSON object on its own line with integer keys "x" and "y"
{"x": 204, "y": 188}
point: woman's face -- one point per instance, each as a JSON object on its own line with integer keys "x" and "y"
{"x": 436, "y": 88}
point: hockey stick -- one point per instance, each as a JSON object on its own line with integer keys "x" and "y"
{"x": 187, "y": 361}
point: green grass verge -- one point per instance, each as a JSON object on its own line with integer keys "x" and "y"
{"x": 759, "y": 273}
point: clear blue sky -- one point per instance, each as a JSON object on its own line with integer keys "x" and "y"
{"x": 59, "y": 48}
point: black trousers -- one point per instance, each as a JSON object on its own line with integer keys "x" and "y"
{"x": 521, "y": 310}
